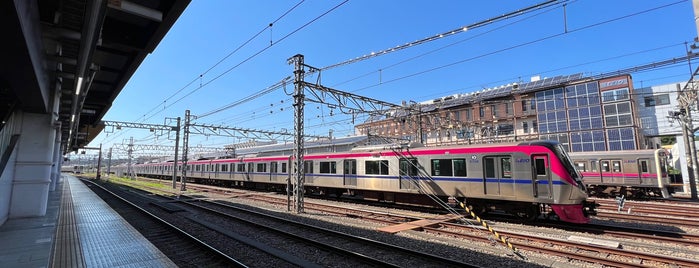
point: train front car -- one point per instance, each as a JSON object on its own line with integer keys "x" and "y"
{"x": 570, "y": 193}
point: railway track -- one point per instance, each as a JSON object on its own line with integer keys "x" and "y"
{"x": 182, "y": 248}
{"x": 572, "y": 250}
{"x": 284, "y": 238}
{"x": 353, "y": 246}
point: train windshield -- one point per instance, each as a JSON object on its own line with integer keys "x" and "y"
{"x": 568, "y": 164}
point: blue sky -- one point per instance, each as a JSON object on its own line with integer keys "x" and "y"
{"x": 590, "y": 37}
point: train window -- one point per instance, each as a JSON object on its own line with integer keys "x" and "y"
{"x": 644, "y": 166}
{"x": 240, "y": 168}
{"x": 593, "y": 165}
{"x": 328, "y": 167}
{"x": 261, "y": 167}
{"x": 284, "y": 167}
{"x": 540, "y": 166}
{"x": 459, "y": 167}
{"x": 441, "y": 167}
{"x": 378, "y": 167}
{"x": 616, "y": 166}
{"x": 251, "y": 167}
{"x": 273, "y": 167}
{"x": 408, "y": 167}
{"x": 224, "y": 167}
{"x": 506, "y": 167}
{"x": 308, "y": 166}
{"x": 581, "y": 166}
{"x": 489, "y": 164}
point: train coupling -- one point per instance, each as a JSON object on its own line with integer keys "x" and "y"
{"x": 590, "y": 208}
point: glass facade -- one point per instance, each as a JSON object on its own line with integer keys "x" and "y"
{"x": 584, "y": 119}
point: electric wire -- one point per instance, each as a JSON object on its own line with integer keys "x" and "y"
{"x": 519, "y": 45}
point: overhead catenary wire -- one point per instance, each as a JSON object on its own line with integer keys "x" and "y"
{"x": 166, "y": 105}
{"x": 570, "y": 31}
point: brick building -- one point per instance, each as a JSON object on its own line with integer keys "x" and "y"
{"x": 583, "y": 113}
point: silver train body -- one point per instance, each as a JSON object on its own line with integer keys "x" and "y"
{"x": 526, "y": 179}
{"x": 637, "y": 173}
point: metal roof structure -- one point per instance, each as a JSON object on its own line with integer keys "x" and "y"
{"x": 85, "y": 49}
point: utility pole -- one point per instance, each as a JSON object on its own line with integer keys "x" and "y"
{"x": 185, "y": 150}
{"x": 99, "y": 163}
{"x": 177, "y": 143}
{"x": 129, "y": 171}
{"x": 298, "y": 168}
{"x": 109, "y": 163}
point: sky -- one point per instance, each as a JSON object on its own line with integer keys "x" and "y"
{"x": 223, "y": 53}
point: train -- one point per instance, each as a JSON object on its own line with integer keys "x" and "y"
{"x": 637, "y": 174}
{"x": 526, "y": 179}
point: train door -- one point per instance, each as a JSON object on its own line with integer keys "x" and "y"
{"x": 349, "y": 172}
{"x": 543, "y": 186}
{"x": 612, "y": 171}
{"x": 249, "y": 170}
{"x": 408, "y": 173}
{"x": 273, "y": 169}
{"x": 497, "y": 179}
{"x": 644, "y": 172}
{"x": 211, "y": 169}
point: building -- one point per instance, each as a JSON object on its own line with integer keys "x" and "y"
{"x": 583, "y": 113}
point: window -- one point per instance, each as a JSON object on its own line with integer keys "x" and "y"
{"x": 273, "y": 167}
{"x": 441, "y": 167}
{"x": 616, "y": 166}
{"x": 644, "y": 166}
{"x": 605, "y": 166}
{"x": 328, "y": 167}
{"x": 449, "y": 167}
{"x": 239, "y": 168}
{"x": 524, "y": 106}
{"x": 376, "y": 167}
{"x": 283, "y": 167}
{"x": 506, "y": 167}
{"x": 618, "y": 114}
{"x": 224, "y": 167}
{"x": 408, "y": 167}
{"x": 621, "y": 139}
{"x": 459, "y": 167}
{"x": 489, "y": 163}
{"x": 307, "y": 166}
{"x": 508, "y": 108}
{"x": 593, "y": 166}
{"x": 494, "y": 110}
{"x": 581, "y": 166}
{"x": 481, "y": 111}
{"x": 525, "y": 127}
{"x": 615, "y": 95}
{"x": 261, "y": 167}
{"x": 656, "y": 100}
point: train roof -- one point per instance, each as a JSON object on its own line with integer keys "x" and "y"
{"x": 616, "y": 153}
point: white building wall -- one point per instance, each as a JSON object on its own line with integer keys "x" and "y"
{"x": 655, "y": 122}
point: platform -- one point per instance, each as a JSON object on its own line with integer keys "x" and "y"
{"x": 78, "y": 230}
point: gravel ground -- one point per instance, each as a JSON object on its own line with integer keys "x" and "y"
{"x": 492, "y": 254}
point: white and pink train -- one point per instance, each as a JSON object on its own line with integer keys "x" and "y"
{"x": 527, "y": 179}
